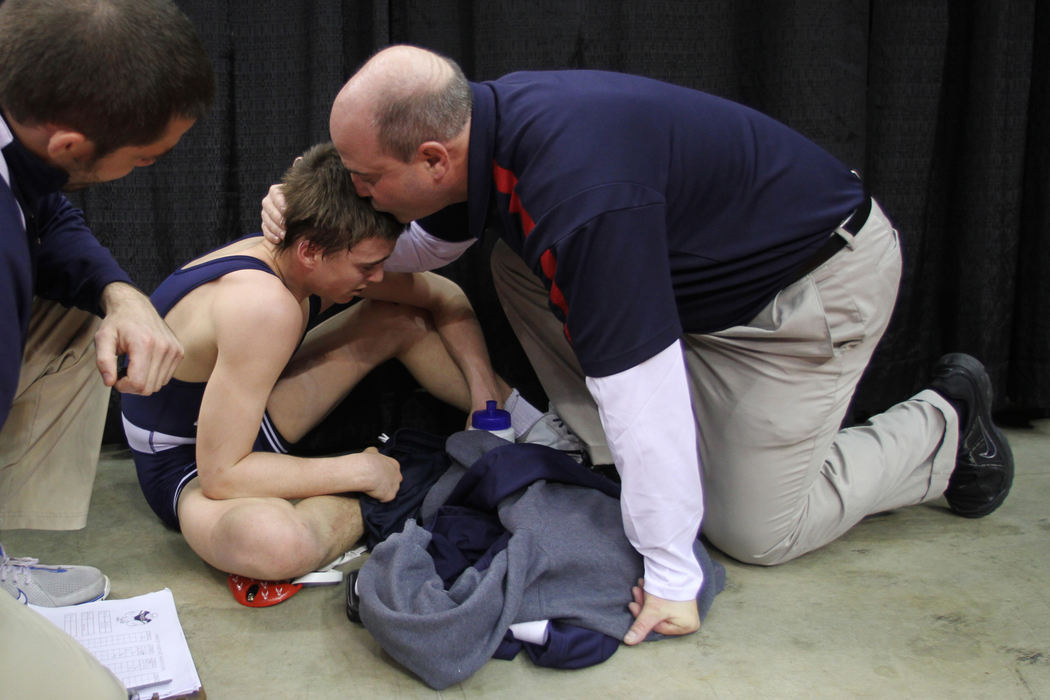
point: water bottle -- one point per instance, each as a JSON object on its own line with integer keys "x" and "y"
{"x": 495, "y": 420}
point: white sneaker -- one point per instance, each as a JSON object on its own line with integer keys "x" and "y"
{"x": 550, "y": 430}
{"x": 328, "y": 574}
{"x": 50, "y": 586}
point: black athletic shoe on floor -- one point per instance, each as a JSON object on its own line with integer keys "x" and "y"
{"x": 353, "y": 601}
{"x": 984, "y": 467}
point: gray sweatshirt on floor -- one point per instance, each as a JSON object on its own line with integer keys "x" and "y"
{"x": 567, "y": 559}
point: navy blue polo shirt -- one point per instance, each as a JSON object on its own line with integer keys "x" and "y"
{"x": 647, "y": 209}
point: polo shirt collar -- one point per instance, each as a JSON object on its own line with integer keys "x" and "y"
{"x": 480, "y": 157}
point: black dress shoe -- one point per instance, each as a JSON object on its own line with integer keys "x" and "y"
{"x": 984, "y": 466}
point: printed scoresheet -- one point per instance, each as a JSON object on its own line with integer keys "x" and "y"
{"x": 139, "y": 639}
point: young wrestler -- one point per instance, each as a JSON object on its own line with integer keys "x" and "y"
{"x": 242, "y": 502}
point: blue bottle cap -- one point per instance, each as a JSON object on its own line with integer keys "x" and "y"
{"x": 491, "y": 418}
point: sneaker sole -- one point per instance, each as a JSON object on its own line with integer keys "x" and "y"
{"x": 105, "y": 592}
{"x": 102, "y": 596}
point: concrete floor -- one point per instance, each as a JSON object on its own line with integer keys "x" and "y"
{"x": 915, "y": 603}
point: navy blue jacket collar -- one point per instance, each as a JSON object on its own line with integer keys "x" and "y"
{"x": 31, "y": 177}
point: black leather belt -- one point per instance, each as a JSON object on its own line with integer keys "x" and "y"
{"x": 835, "y": 242}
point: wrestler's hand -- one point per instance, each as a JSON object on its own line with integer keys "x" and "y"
{"x": 652, "y": 614}
{"x": 382, "y": 475}
{"x": 132, "y": 327}
{"x": 273, "y": 214}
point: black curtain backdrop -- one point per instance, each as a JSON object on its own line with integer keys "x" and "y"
{"x": 943, "y": 106}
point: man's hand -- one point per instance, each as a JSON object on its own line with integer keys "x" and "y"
{"x": 652, "y": 614}
{"x": 383, "y": 473}
{"x": 273, "y": 214}
{"x": 132, "y": 326}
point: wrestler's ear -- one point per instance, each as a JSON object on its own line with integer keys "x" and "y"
{"x": 308, "y": 253}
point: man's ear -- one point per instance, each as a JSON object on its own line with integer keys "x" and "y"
{"x": 68, "y": 147}
{"x": 435, "y": 158}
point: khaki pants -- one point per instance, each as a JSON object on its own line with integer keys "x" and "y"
{"x": 49, "y": 446}
{"x": 780, "y": 479}
{"x": 38, "y": 660}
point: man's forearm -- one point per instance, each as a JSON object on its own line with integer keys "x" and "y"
{"x": 647, "y": 415}
{"x": 73, "y": 267}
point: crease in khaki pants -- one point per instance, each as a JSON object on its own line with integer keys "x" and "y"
{"x": 780, "y": 478}
{"x": 49, "y": 445}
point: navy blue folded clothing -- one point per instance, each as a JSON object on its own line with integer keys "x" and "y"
{"x": 466, "y": 530}
{"x": 423, "y": 460}
{"x": 566, "y": 646}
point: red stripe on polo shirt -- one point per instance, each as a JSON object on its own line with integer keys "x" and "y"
{"x": 507, "y": 183}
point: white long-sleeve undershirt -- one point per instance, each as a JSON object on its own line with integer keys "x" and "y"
{"x": 418, "y": 251}
{"x": 647, "y": 415}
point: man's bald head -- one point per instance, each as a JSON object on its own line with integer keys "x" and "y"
{"x": 407, "y": 95}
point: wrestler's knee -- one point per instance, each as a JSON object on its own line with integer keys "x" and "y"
{"x": 267, "y": 541}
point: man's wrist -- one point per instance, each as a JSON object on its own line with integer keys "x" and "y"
{"x": 676, "y": 583}
{"x": 115, "y": 293}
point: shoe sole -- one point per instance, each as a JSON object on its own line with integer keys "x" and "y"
{"x": 976, "y": 370}
{"x": 103, "y": 596}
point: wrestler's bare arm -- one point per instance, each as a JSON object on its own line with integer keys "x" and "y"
{"x": 257, "y": 328}
{"x": 456, "y": 324}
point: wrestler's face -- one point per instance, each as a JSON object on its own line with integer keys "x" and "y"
{"x": 341, "y": 276}
{"x": 85, "y": 170}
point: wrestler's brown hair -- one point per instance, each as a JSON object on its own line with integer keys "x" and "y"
{"x": 322, "y": 206}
